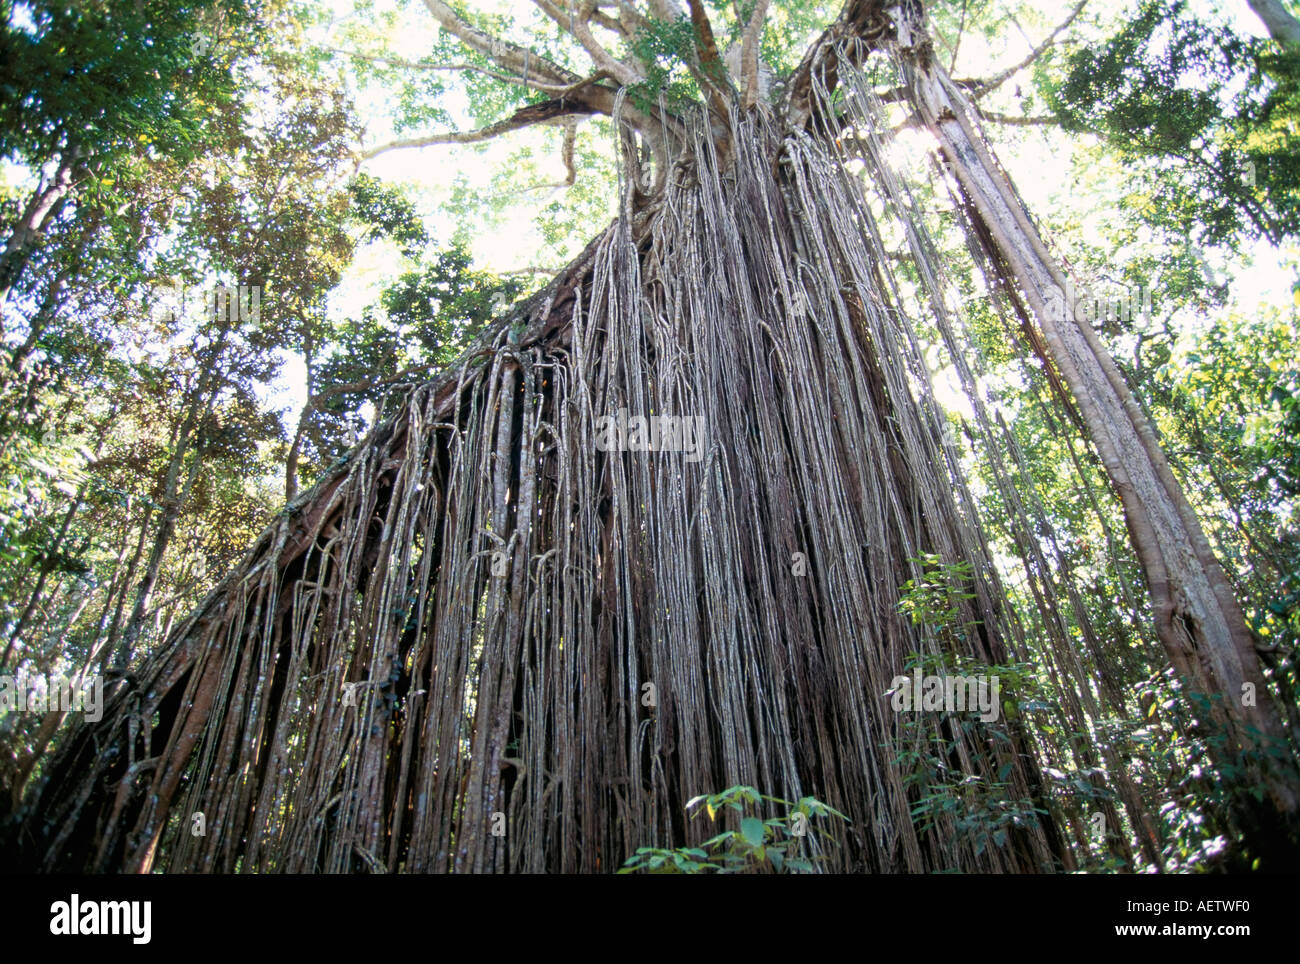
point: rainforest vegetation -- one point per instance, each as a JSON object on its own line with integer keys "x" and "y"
{"x": 572, "y": 435}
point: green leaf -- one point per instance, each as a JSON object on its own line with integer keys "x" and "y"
{"x": 751, "y": 828}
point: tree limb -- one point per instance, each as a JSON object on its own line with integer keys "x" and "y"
{"x": 566, "y": 155}
{"x": 524, "y": 62}
{"x": 749, "y": 44}
{"x": 531, "y": 82}
{"x": 509, "y": 55}
{"x": 1044, "y": 120}
{"x": 578, "y": 26}
{"x": 707, "y": 48}
{"x": 956, "y": 43}
{"x": 978, "y": 88}
{"x": 524, "y": 117}
{"x": 633, "y": 20}
{"x": 612, "y": 24}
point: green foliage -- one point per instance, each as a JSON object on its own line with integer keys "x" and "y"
{"x": 388, "y": 212}
{"x": 1228, "y": 398}
{"x": 1206, "y": 117}
{"x": 665, "y": 48}
{"x": 1199, "y": 824}
{"x": 954, "y": 805}
{"x": 932, "y": 598}
{"x": 778, "y": 844}
{"x": 36, "y": 469}
{"x": 212, "y": 142}
{"x": 214, "y": 159}
{"x": 115, "y": 77}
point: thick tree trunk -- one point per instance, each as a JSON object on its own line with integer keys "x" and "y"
{"x": 1278, "y": 20}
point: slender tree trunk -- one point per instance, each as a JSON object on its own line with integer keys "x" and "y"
{"x": 116, "y": 586}
{"x": 34, "y": 598}
{"x": 174, "y": 495}
{"x": 40, "y": 320}
{"x": 68, "y": 516}
{"x": 304, "y": 417}
{"x": 52, "y": 721}
{"x": 1197, "y": 617}
{"x": 173, "y": 501}
{"x": 43, "y": 206}
{"x": 131, "y": 569}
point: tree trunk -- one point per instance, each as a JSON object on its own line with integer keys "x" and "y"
{"x": 186, "y": 441}
{"x": 73, "y": 509}
{"x": 1278, "y": 20}
{"x": 1197, "y": 617}
{"x": 43, "y": 206}
{"x": 174, "y": 499}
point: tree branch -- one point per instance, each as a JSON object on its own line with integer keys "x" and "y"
{"x": 579, "y": 27}
{"x": 509, "y": 55}
{"x": 632, "y": 19}
{"x": 523, "y": 62}
{"x": 710, "y": 61}
{"x": 566, "y": 155}
{"x": 516, "y": 272}
{"x": 978, "y": 88}
{"x": 956, "y": 42}
{"x": 531, "y": 82}
{"x": 749, "y": 44}
{"x": 524, "y": 117}
{"x": 1045, "y": 120}
{"x": 612, "y": 24}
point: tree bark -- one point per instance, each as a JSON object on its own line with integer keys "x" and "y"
{"x": 1197, "y": 617}
{"x": 41, "y": 209}
{"x": 1277, "y": 20}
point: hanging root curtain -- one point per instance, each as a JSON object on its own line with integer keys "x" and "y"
{"x": 494, "y": 641}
